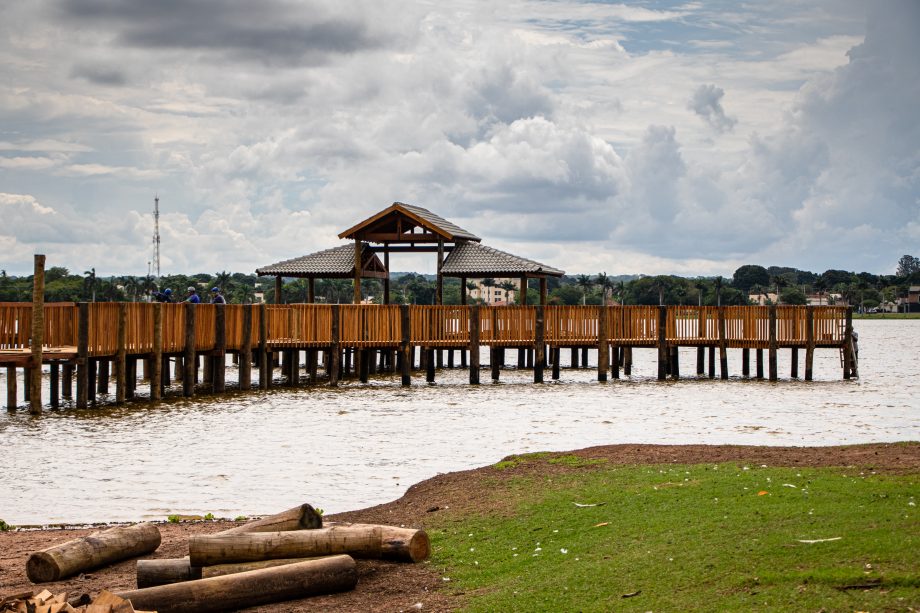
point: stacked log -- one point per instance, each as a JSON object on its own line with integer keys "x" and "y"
{"x": 46, "y": 602}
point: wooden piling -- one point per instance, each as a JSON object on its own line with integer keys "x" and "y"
{"x": 627, "y": 361}
{"x": 157, "y": 372}
{"x": 809, "y": 342}
{"x": 311, "y": 365}
{"x": 584, "y": 357}
{"x": 494, "y": 353}
{"x": 759, "y": 365}
{"x": 405, "y": 349}
{"x": 265, "y": 363}
{"x": 332, "y": 360}
{"x": 474, "y": 344}
{"x": 773, "y": 345}
{"x": 245, "y": 355}
{"x": 712, "y": 361}
{"x": 364, "y": 365}
{"x": 848, "y": 365}
{"x": 603, "y": 349}
{"x": 102, "y": 372}
{"x": 82, "y": 355}
{"x": 674, "y": 368}
{"x": 745, "y": 362}
{"x": 11, "y": 388}
{"x": 91, "y": 371}
{"x": 539, "y": 327}
{"x": 27, "y": 384}
{"x": 67, "y": 380}
{"x": 556, "y": 352}
{"x": 429, "y": 365}
{"x": 700, "y": 361}
{"x": 38, "y": 335}
{"x": 130, "y": 377}
{"x": 55, "y": 385}
{"x": 794, "y": 363}
{"x": 121, "y": 353}
{"x": 574, "y": 358}
{"x": 219, "y": 364}
{"x": 662, "y": 343}
{"x": 723, "y": 346}
{"x": 190, "y": 359}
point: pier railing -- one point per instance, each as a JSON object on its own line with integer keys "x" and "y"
{"x": 376, "y": 326}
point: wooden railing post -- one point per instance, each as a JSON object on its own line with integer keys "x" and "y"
{"x": 809, "y": 341}
{"x": 38, "y": 336}
{"x": 190, "y": 359}
{"x": 723, "y": 345}
{"x": 156, "y": 363}
{"x": 245, "y": 370}
{"x": 474, "y": 344}
{"x": 82, "y": 355}
{"x": 539, "y": 344}
{"x": 121, "y": 353}
{"x": 603, "y": 349}
{"x": 772, "y": 355}
{"x": 662, "y": 343}
{"x": 219, "y": 367}
{"x": 333, "y": 359}
{"x": 265, "y": 362}
{"x": 847, "y": 345}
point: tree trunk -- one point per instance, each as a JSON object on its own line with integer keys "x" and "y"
{"x": 360, "y": 540}
{"x": 89, "y": 552}
{"x": 165, "y": 571}
{"x": 249, "y": 589}
{"x": 303, "y": 517}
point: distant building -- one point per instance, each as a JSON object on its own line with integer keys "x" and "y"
{"x": 911, "y": 302}
{"x": 762, "y": 299}
{"x": 495, "y": 295}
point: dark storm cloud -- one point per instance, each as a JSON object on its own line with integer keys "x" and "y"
{"x": 100, "y": 75}
{"x": 266, "y": 31}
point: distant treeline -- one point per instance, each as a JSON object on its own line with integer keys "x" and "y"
{"x": 789, "y": 284}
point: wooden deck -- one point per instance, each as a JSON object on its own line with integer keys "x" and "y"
{"x": 76, "y": 334}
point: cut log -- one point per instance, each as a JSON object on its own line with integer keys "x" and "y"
{"x": 359, "y": 540}
{"x": 165, "y": 571}
{"x": 303, "y": 517}
{"x": 220, "y": 570}
{"x": 89, "y": 552}
{"x": 249, "y": 589}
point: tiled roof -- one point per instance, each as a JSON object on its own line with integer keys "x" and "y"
{"x": 473, "y": 259}
{"x": 335, "y": 261}
{"x": 433, "y": 222}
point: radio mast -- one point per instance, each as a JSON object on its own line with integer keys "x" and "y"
{"x": 156, "y": 235}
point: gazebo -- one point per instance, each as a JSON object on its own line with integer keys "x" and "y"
{"x": 406, "y": 228}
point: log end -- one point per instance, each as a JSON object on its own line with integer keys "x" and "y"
{"x": 309, "y": 518}
{"x": 419, "y": 546}
{"x": 42, "y": 568}
{"x": 398, "y": 545}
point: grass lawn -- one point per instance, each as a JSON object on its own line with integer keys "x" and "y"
{"x": 713, "y": 537}
{"x": 886, "y": 315}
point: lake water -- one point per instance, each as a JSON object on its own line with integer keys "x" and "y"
{"x": 360, "y": 445}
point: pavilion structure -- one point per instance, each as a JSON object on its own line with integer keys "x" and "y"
{"x": 406, "y": 228}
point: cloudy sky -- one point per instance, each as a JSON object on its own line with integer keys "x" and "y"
{"x": 642, "y": 137}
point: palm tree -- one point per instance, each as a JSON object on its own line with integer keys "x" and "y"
{"x": 606, "y": 284}
{"x": 222, "y": 278}
{"x": 488, "y": 282}
{"x": 619, "y": 290}
{"x": 718, "y": 283}
{"x": 820, "y": 288}
{"x": 89, "y": 282}
{"x": 680, "y": 292}
{"x": 659, "y": 285}
{"x": 470, "y": 287}
{"x": 585, "y": 283}
{"x": 700, "y": 286}
{"x": 509, "y": 287}
{"x": 779, "y": 282}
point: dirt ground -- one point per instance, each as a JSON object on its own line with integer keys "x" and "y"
{"x": 385, "y": 586}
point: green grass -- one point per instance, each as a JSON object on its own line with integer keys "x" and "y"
{"x": 688, "y": 538}
{"x": 886, "y": 315}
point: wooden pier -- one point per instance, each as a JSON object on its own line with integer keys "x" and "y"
{"x": 86, "y": 344}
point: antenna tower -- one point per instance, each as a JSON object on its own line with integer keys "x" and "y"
{"x": 156, "y": 235}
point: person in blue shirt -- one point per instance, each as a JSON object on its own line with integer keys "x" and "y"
{"x": 216, "y": 297}
{"x": 192, "y": 296}
{"x": 164, "y": 296}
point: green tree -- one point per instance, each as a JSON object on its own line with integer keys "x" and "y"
{"x": 585, "y": 283}
{"x": 749, "y": 275}
{"x": 908, "y": 265}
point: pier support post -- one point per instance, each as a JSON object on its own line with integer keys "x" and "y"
{"x": 745, "y": 362}
{"x": 55, "y": 384}
{"x": 11, "y": 388}
{"x": 848, "y": 366}
{"x": 603, "y": 349}
{"x": 157, "y": 373}
{"x": 474, "y": 343}
{"x": 700, "y": 361}
{"x": 809, "y": 341}
{"x": 130, "y": 377}
{"x": 674, "y": 367}
{"x": 662, "y": 343}
{"x": 615, "y": 362}
{"x": 405, "y": 349}
{"x": 38, "y": 336}
{"x": 627, "y": 361}
{"x": 759, "y": 365}
{"x": 82, "y": 355}
{"x": 219, "y": 362}
{"x": 712, "y": 361}
{"x": 245, "y": 356}
{"x": 102, "y": 374}
{"x": 334, "y": 355}
{"x": 265, "y": 364}
{"x": 190, "y": 360}
{"x": 494, "y": 359}
{"x": 429, "y": 365}
{"x": 312, "y": 361}
{"x": 363, "y": 364}
{"x": 584, "y": 357}
{"x": 794, "y": 363}
{"x": 723, "y": 346}
{"x": 120, "y": 353}
{"x": 539, "y": 346}
{"x": 556, "y": 352}
{"x": 67, "y": 380}
{"x": 574, "y": 359}
{"x": 773, "y": 346}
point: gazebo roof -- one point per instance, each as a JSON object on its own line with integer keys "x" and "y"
{"x": 474, "y": 260}
{"x": 335, "y": 263}
{"x": 398, "y": 224}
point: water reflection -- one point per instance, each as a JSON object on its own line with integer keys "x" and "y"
{"x": 359, "y": 444}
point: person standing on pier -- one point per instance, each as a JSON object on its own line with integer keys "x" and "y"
{"x": 216, "y": 297}
{"x": 192, "y": 296}
{"x": 164, "y": 296}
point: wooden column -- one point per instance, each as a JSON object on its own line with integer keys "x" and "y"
{"x": 429, "y": 365}
{"x": 772, "y": 357}
{"x": 246, "y": 349}
{"x": 103, "y": 373}
{"x": 356, "y": 296}
{"x": 38, "y": 336}
{"x": 190, "y": 359}
{"x": 386, "y": 279}
{"x": 809, "y": 342}
{"x": 603, "y": 349}
{"x": 220, "y": 346}
{"x": 847, "y": 347}
{"x": 265, "y": 363}
{"x": 26, "y": 384}
{"x": 121, "y": 353}
{"x": 712, "y": 361}
{"x": 440, "y": 290}
{"x": 539, "y": 345}
{"x": 11, "y": 388}
{"x": 405, "y": 348}
{"x": 156, "y": 363}
{"x": 523, "y": 291}
{"x": 463, "y": 297}
{"x": 700, "y": 361}
{"x": 662, "y": 342}
{"x": 556, "y": 352}
{"x": 745, "y": 362}
{"x": 494, "y": 358}
{"x": 759, "y": 364}
{"x": 82, "y": 355}
{"x": 67, "y": 383}
{"x": 333, "y": 359}
{"x": 311, "y": 290}
{"x": 794, "y": 363}
{"x": 543, "y": 291}
{"x": 474, "y": 343}
{"x": 130, "y": 377}
{"x": 574, "y": 358}
{"x": 55, "y": 381}
{"x": 674, "y": 364}
{"x": 723, "y": 345}
{"x": 279, "y": 286}
{"x": 627, "y": 361}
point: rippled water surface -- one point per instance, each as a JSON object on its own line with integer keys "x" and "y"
{"x": 360, "y": 445}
